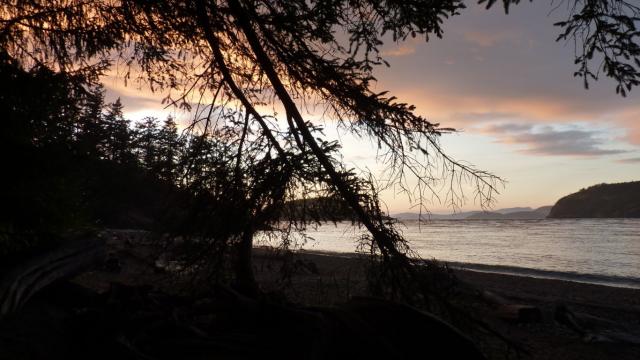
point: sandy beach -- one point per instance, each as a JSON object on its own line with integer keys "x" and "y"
{"x": 539, "y": 318}
{"x": 609, "y": 316}
{"x": 346, "y": 268}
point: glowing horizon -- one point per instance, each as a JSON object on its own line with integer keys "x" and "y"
{"x": 505, "y": 82}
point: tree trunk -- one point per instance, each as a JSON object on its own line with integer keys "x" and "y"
{"x": 380, "y": 235}
{"x": 245, "y": 281}
{"x": 386, "y": 246}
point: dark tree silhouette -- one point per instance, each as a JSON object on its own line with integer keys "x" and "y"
{"x": 169, "y": 147}
{"x": 242, "y": 57}
{"x": 119, "y": 144}
{"x": 605, "y": 33}
{"x": 40, "y": 110}
{"x": 147, "y": 136}
{"x": 91, "y": 133}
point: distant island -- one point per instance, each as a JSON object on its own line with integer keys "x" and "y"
{"x": 515, "y": 213}
{"x": 539, "y": 213}
{"x": 620, "y": 200}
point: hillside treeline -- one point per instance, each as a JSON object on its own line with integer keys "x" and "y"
{"x": 620, "y": 200}
{"x": 72, "y": 161}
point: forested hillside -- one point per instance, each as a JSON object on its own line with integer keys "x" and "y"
{"x": 601, "y": 201}
{"x": 71, "y": 161}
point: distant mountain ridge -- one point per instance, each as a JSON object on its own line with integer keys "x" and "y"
{"x": 539, "y": 213}
{"x": 516, "y": 213}
{"x": 621, "y": 200}
{"x": 512, "y": 210}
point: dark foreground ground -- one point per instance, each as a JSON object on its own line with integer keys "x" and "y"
{"x": 137, "y": 313}
{"x": 576, "y": 320}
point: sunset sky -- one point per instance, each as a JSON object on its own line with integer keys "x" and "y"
{"x": 508, "y": 86}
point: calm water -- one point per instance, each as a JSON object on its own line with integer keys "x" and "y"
{"x": 590, "y": 250}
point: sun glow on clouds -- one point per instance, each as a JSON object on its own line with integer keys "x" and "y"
{"x": 402, "y": 50}
{"x": 508, "y": 86}
{"x": 572, "y": 140}
{"x": 521, "y": 113}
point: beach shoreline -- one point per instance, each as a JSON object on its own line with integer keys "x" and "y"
{"x": 589, "y": 279}
{"x": 305, "y": 280}
{"x": 347, "y": 269}
{"x": 608, "y": 310}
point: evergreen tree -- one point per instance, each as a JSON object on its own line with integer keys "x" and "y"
{"x": 92, "y": 134}
{"x": 40, "y": 111}
{"x": 282, "y": 54}
{"x": 39, "y": 106}
{"x": 169, "y": 147}
{"x": 120, "y": 142}
{"x": 147, "y": 136}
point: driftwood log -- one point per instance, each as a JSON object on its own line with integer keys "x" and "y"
{"x": 518, "y": 313}
{"x": 73, "y": 257}
{"x": 136, "y": 322}
{"x": 595, "y": 329}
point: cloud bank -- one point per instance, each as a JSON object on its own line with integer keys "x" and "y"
{"x": 549, "y": 140}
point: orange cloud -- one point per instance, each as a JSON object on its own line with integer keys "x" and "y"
{"x": 402, "y": 50}
{"x": 630, "y": 119}
{"x": 548, "y": 140}
{"x": 465, "y": 112}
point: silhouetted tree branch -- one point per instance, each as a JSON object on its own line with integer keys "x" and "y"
{"x": 241, "y": 62}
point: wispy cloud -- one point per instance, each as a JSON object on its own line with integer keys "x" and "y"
{"x": 471, "y": 111}
{"x": 402, "y": 50}
{"x": 630, "y": 120}
{"x": 134, "y": 97}
{"x": 548, "y": 140}
{"x": 635, "y": 160}
{"x": 482, "y": 116}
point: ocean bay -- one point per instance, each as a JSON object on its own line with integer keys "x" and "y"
{"x": 590, "y": 250}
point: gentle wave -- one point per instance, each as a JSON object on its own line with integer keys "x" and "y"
{"x": 608, "y": 280}
{"x": 599, "y": 251}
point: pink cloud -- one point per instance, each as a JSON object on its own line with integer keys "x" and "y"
{"x": 402, "y": 50}
{"x": 630, "y": 120}
{"x": 550, "y": 140}
{"x": 469, "y": 112}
